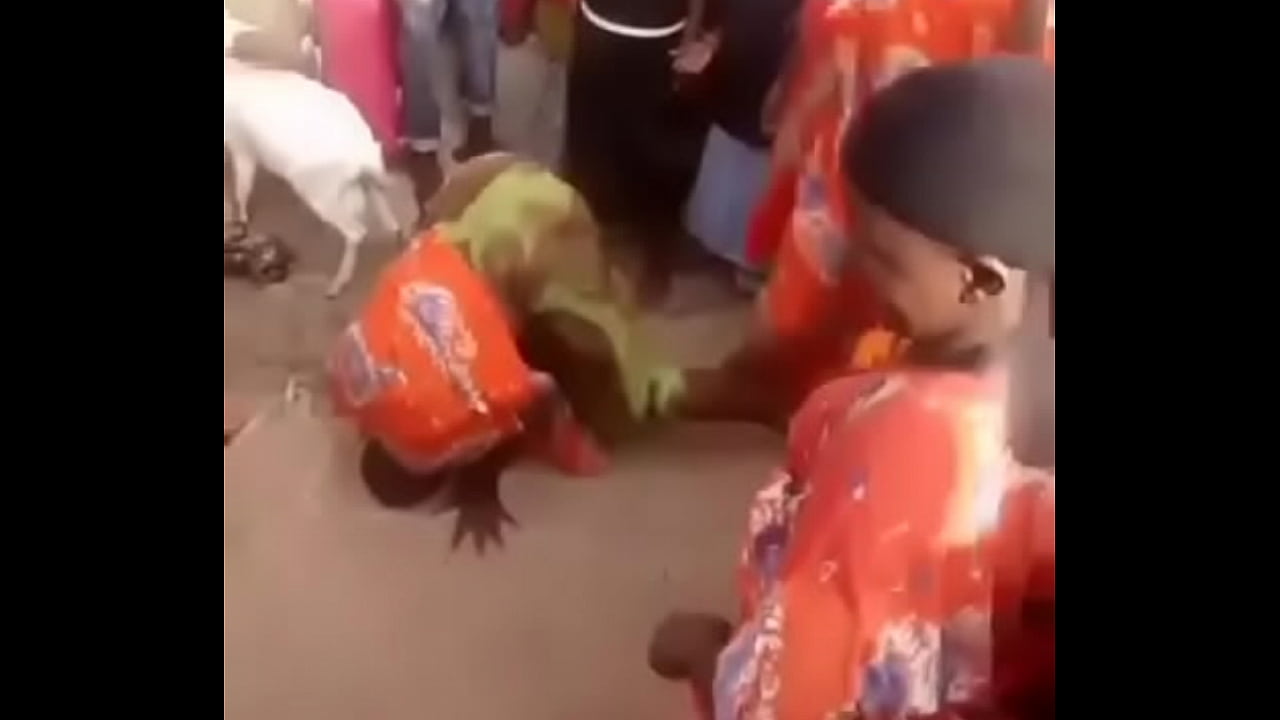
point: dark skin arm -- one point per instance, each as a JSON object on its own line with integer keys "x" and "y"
{"x": 476, "y": 496}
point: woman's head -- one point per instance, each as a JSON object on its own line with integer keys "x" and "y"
{"x": 952, "y": 170}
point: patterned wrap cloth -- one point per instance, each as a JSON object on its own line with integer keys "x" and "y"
{"x": 887, "y": 564}
{"x": 798, "y": 227}
{"x": 432, "y": 365}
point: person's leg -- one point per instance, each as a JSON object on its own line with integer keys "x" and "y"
{"x": 420, "y": 65}
{"x": 529, "y": 102}
{"x": 594, "y": 109}
{"x": 477, "y": 22}
{"x": 658, "y": 143}
{"x": 549, "y": 127}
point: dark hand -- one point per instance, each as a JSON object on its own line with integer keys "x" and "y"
{"x": 685, "y": 646}
{"x": 483, "y": 522}
{"x": 481, "y": 513}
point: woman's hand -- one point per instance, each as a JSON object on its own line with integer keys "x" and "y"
{"x": 693, "y": 56}
{"x": 685, "y": 646}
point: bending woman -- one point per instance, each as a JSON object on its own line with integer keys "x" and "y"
{"x": 879, "y": 580}
{"x": 497, "y": 328}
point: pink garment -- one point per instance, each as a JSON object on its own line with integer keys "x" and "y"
{"x": 358, "y": 58}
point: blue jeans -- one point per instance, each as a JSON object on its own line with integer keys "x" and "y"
{"x": 427, "y": 64}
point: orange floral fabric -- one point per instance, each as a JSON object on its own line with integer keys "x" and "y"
{"x": 430, "y": 367}
{"x": 880, "y": 568}
{"x": 870, "y": 42}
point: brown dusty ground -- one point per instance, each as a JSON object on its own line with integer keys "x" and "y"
{"x": 337, "y": 608}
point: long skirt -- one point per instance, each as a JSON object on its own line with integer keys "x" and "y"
{"x": 731, "y": 182}
{"x": 358, "y": 58}
{"x": 632, "y": 143}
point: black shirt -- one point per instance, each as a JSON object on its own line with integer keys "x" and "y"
{"x": 641, "y": 13}
{"x": 754, "y": 38}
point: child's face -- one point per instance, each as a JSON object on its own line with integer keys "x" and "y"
{"x": 922, "y": 281}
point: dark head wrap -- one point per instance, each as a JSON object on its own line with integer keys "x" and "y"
{"x": 965, "y": 155}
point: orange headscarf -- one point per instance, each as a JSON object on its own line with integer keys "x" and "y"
{"x": 430, "y": 367}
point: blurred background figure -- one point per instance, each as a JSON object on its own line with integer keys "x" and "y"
{"x": 357, "y": 51}
{"x": 631, "y": 141}
{"x": 537, "y": 38}
{"x": 739, "y": 61}
{"x": 448, "y": 49}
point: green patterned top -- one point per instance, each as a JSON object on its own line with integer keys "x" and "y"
{"x": 523, "y": 227}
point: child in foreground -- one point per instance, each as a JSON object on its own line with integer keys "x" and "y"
{"x": 901, "y": 564}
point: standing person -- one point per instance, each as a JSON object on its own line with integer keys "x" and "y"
{"x": 446, "y": 47}
{"x": 632, "y": 142}
{"x": 745, "y": 50}
{"x": 881, "y": 579}
{"x": 532, "y": 77}
{"x": 817, "y": 318}
{"x": 357, "y": 46}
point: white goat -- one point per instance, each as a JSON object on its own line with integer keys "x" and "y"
{"x": 314, "y": 139}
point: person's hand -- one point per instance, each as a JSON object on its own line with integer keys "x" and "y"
{"x": 693, "y": 56}
{"x": 685, "y": 646}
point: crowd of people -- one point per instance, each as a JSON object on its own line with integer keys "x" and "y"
{"x": 886, "y": 170}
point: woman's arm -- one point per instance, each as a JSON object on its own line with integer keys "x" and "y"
{"x": 695, "y": 20}
{"x": 771, "y": 113}
{"x": 799, "y": 99}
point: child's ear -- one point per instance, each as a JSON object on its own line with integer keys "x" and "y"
{"x": 988, "y": 276}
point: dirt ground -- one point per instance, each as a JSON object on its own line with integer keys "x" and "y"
{"x": 336, "y": 607}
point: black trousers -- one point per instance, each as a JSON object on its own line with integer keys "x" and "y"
{"x": 632, "y": 144}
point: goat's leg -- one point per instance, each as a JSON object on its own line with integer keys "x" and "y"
{"x": 346, "y": 266}
{"x": 345, "y": 212}
{"x": 380, "y": 213}
{"x": 243, "y": 169}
